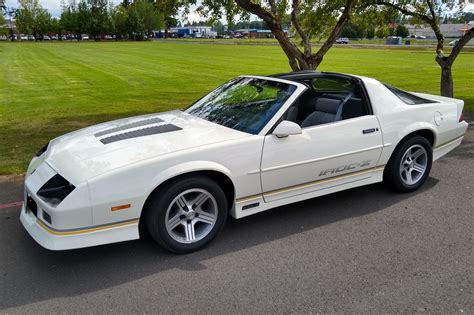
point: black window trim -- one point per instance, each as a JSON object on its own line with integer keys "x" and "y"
{"x": 394, "y": 91}
{"x": 365, "y": 96}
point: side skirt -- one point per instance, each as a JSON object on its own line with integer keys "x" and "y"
{"x": 254, "y": 204}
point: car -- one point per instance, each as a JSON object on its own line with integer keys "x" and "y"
{"x": 453, "y": 42}
{"x": 342, "y": 40}
{"x": 23, "y": 37}
{"x": 85, "y": 37}
{"x": 31, "y": 37}
{"x": 253, "y": 144}
{"x": 46, "y": 37}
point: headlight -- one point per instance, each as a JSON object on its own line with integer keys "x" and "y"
{"x": 55, "y": 190}
{"x": 42, "y": 150}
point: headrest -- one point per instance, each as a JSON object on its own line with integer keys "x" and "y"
{"x": 327, "y": 105}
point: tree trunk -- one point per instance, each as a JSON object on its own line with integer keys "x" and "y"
{"x": 447, "y": 85}
{"x": 446, "y": 63}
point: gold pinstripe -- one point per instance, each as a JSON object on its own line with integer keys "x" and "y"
{"x": 317, "y": 182}
{"x": 447, "y": 143}
{"x": 87, "y": 230}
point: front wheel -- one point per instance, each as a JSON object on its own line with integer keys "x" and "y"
{"x": 186, "y": 214}
{"x": 410, "y": 165}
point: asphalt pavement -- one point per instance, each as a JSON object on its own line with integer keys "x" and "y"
{"x": 362, "y": 250}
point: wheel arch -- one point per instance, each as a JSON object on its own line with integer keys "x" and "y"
{"x": 216, "y": 172}
{"x": 426, "y": 131}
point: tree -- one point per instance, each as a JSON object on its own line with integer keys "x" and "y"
{"x": 118, "y": 21}
{"x": 169, "y": 9}
{"x": 309, "y": 19}
{"x": 98, "y": 18}
{"x": 352, "y": 30}
{"x": 428, "y": 12}
{"x": 401, "y": 31}
{"x": 142, "y": 18}
{"x": 31, "y": 18}
{"x": 3, "y": 28}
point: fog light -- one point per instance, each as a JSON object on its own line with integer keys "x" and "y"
{"x": 47, "y": 217}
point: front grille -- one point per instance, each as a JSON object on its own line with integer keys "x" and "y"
{"x": 31, "y": 205}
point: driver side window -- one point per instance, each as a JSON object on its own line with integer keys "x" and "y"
{"x": 329, "y": 99}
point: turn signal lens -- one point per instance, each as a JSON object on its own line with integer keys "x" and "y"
{"x": 121, "y": 207}
{"x": 461, "y": 118}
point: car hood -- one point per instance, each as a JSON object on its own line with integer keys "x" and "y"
{"x": 95, "y": 150}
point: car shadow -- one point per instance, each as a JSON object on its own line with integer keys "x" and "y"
{"x": 34, "y": 274}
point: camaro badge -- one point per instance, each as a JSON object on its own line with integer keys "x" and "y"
{"x": 344, "y": 168}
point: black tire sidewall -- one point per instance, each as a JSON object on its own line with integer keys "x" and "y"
{"x": 160, "y": 201}
{"x": 392, "y": 174}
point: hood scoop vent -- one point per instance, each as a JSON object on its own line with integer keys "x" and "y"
{"x": 130, "y": 126}
{"x": 140, "y": 133}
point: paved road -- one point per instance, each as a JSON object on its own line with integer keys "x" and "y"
{"x": 359, "y": 250}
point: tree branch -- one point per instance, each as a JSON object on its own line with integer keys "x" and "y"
{"x": 318, "y": 57}
{"x": 431, "y": 21}
{"x": 460, "y": 45}
{"x": 290, "y": 49}
{"x": 404, "y": 11}
{"x": 299, "y": 29}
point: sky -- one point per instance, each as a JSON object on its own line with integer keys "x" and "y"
{"x": 54, "y": 7}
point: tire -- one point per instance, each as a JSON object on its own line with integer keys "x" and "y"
{"x": 186, "y": 214}
{"x": 409, "y": 165}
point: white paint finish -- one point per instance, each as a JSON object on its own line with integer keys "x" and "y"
{"x": 126, "y": 172}
{"x": 446, "y": 148}
{"x": 63, "y": 242}
{"x": 92, "y": 158}
{"x": 134, "y": 184}
{"x": 321, "y": 190}
{"x": 300, "y": 159}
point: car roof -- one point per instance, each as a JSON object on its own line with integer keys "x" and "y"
{"x": 305, "y": 75}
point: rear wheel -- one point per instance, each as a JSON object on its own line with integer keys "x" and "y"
{"x": 186, "y": 214}
{"x": 410, "y": 165}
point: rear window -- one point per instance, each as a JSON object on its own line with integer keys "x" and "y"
{"x": 332, "y": 84}
{"x": 407, "y": 97}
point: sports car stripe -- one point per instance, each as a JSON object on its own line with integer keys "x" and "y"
{"x": 317, "y": 182}
{"x": 86, "y": 229}
{"x": 447, "y": 143}
{"x": 140, "y": 133}
{"x": 129, "y": 126}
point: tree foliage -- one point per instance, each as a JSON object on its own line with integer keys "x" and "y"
{"x": 310, "y": 19}
{"x": 428, "y": 12}
{"x": 98, "y": 17}
{"x": 31, "y": 18}
{"x": 142, "y": 18}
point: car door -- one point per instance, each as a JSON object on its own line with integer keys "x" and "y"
{"x": 321, "y": 157}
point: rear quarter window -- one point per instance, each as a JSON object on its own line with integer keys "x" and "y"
{"x": 407, "y": 97}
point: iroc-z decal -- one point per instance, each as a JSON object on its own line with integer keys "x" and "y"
{"x": 343, "y": 168}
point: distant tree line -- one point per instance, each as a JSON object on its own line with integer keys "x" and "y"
{"x": 95, "y": 18}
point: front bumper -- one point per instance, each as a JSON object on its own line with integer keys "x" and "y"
{"x": 68, "y": 225}
{"x": 77, "y": 238}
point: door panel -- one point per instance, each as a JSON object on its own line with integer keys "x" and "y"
{"x": 320, "y": 155}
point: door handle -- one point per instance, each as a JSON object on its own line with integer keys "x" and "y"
{"x": 366, "y": 131}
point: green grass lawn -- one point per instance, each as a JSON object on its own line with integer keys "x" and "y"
{"x": 47, "y": 89}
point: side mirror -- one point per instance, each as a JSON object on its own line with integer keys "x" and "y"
{"x": 286, "y": 128}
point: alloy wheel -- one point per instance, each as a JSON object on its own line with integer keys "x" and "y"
{"x": 413, "y": 164}
{"x": 191, "y": 216}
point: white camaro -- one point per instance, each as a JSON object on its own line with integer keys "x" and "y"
{"x": 253, "y": 144}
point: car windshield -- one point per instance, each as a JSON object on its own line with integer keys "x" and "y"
{"x": 245, "y": 104}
